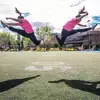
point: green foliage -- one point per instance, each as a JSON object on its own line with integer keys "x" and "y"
{"x": 56, "y": 45}
{"x": 22, "y": 44}
{"x": 7, "y": 39}
{"x": 18, "y": 42}
{"x": 26, "y": 42}
{"x": 44, "y": 33}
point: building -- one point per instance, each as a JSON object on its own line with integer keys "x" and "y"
{"x": 88, "y": 40}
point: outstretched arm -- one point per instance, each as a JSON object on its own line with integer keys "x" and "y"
{"x": 7, "y": 24}
{"x": 82, "y": 25}
{"x": 81, "y": 11}
{"x": 14, "y": 19}
{"x": 12, "y": 24}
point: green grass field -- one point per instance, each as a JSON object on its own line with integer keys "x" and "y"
{"x": 57, "y": 75}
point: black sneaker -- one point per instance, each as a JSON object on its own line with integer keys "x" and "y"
{"x": 81, "y": 11}
{"x": 39, "y": 41}
{"x": 3, "y": 24}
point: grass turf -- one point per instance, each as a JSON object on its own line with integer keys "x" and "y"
{"x": 81, "y": 82}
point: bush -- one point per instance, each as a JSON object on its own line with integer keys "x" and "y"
{"x": 7, "y": 41}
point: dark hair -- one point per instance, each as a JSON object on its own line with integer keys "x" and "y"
{"x": 20, "y": 17}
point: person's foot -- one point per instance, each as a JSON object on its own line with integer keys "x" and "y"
{"x": 81, "y": 11}
{"x": 3, "y": 24}
{"x": 17, "y": 11}
{"x": 54, "y": 34}
{"x": 93, "y": 27}
{"x": 39, "y": 41}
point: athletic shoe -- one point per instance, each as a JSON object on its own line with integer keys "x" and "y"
{"x": 93, "y": 27}
{"x": 81, "y": 11}
{"x": 39, "y": 41}
{"x": 3, "y": 24}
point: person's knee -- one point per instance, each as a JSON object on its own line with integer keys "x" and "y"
{"x": 10, "y": 28}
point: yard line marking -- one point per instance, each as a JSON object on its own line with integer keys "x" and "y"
{"x": 47, "y": 66}
{"x": 48, "y": 63}
{"x": 34, "y": 68}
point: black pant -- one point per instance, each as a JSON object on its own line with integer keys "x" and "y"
{"x": 23, "y": 33}
{"x": 65, "y": 34}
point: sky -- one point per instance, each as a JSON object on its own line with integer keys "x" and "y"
{"x": 56, "y": 12}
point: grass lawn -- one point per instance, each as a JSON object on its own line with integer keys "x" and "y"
{"x": 59, "y": 75}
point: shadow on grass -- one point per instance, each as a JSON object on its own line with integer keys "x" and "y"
{"x": 6, "y": 85}
{"x": 81, "y": 85}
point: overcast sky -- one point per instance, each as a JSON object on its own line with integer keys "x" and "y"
{"x": 56, "y": 12}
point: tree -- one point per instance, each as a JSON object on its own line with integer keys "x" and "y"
{"x": 18, "y": 42}
{"x": 7, "y": 40}
{"x": 44, "y": 33}
{"x": 21, "y": 43}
